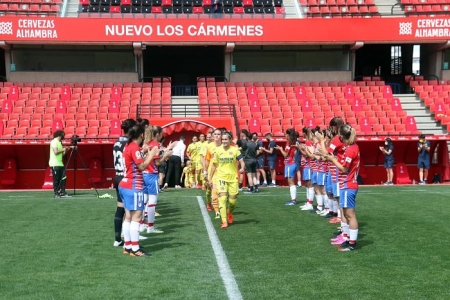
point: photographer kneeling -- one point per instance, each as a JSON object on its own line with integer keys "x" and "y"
{"x": 57, "y": 152}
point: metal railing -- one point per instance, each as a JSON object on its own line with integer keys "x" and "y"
{"x": 184, "y": 90}
{"x": 187, "y": 111}
{"x": 158, "y": 79}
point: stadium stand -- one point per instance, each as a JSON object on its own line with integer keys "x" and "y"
{"x": 90, "y": 110}
{"x": 30, "y": 7}
{"x": 179, "y": 8}
{"x": 422, "y": 7}
{"x": 369, "y": 106}
{"x": 435, "y": 96}
{"x": 339, "y": 8}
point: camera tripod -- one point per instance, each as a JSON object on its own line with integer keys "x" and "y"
{"x": 74, "y": 156}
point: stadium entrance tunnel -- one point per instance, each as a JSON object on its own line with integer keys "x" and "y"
{"x": 186, "y": 128}
{"x": 183, "y": 64}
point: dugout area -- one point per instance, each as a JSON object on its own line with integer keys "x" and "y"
{"x": 32, "y": 160}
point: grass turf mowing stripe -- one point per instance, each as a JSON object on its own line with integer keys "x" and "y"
{"x": 229, "y": 281}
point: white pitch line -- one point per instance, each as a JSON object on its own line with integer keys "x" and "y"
{"x": 228, "y": 279}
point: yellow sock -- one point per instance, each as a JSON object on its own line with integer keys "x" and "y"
{"x": 223, "y": 208}
{"x": 208, "y": 196}
{"x": 232, "y": 205}
{"x": 215, "y": 200}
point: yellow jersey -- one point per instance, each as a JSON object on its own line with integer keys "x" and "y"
{"x": 225, "y": 161}
{"x": 192, "y": 150}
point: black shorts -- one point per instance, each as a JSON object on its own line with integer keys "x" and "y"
{"x": 162, "y": 168}
{"x": 117, "y": 180}
{"x": 250, "y": 166}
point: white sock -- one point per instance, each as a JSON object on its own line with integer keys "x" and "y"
{"x": 319, "y": 202}
{"x": 293, "y": 190}
{"x": 273, "y": 181}
{"x": 126, "y": 233}
{"x": 265, "y": 181}
{"x": 299, "y": 183}
{"x": 338, "y": 212}
{"x": 353, "y": 235}
{"x": 134, "y": 234}
{"x": 151, "y": 208}
{"x": 345, "y": 230}
{"x": 145, "y": 207}
{"x": 326, "y": 202}
{"x": 311, "y": 195}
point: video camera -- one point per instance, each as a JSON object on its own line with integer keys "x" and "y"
{"x": 75, "y": 140}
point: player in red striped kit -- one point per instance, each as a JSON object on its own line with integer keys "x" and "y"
{"x": 348, "y": 166}
{"x": 131, "y": 189}
{"x": 290, "y": 166}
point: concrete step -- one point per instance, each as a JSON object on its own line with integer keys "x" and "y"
{"x": 192, "y": 110}
{"x": 424, "y": 118}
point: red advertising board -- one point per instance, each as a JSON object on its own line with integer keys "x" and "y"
{"x": 309, "y": 30}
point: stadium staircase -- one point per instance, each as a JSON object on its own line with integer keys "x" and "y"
{"x": 425, "y": 120}
{"x": 72, "y": 8}
{"x": 385, "y": 6}
{"x": 292, "y": 9}
{"x": 185, "y": 106}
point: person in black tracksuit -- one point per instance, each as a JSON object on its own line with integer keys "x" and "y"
{"x": 120, "y": 172}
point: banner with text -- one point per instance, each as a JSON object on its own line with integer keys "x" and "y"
{"x": 316, "y": 30}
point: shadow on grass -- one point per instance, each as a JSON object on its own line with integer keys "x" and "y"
{"x": 247, "y": 221}
{"x": 238, "y": 213}
{"x": 157, "y": 244}
{"x": 363, "y": 243}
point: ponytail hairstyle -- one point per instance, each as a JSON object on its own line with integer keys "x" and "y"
{"x": 229, "y": 134}
{"x": 307, "y": 132}
{"x": 151, "y": 132}
{"x": 292, "y": 140}
{"x": 336, "y": 122}
{"x": 246, "y": 133}
{"x": 134, "y": 133}
{"x": 127, "y": 125}
{"x": 348, "y": 133}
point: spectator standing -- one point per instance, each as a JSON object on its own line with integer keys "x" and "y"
{"x": 176, "y": 162}
{"x": 388, "y": 151}
{"x": 423, "y": 147}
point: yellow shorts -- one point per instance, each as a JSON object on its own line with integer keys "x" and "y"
{"x": 231, "y": 188}
{"x": 198, "y": 166}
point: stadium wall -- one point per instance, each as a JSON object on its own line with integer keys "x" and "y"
{"x": 291, "y": 76}
{"x": 445, "y": 75}
{"x": 73, "y": 76}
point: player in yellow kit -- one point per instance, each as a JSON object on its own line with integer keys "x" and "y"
{"x": 226, "y": 179}
{"x": 188, "y": 175}
{"x": 201, "y": 145}
{"x": 192, "y": 152}
{"x": 211, "y": 191}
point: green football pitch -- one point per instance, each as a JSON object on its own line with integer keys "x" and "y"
{"x": 63, "y": 249}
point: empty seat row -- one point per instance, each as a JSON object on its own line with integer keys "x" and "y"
{"x": 197, "y": 3}
{"x": 29, "y": 8}
{"x": 293, "y": 84}
{"x": 207, "y": 13}
{"x": 341, "y": 10}
{"x": 436, "y": 8}
{"x": 177, "y": 10}
{"x": 86, "y": 84}
{"x": 337, "y": 2}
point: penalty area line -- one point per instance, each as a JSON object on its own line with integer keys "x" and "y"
{"x": 228, "y": 279}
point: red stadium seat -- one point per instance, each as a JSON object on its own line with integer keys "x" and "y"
{"x": 95, "y": 170}
{"x": 9, "y": 172}
{"x": 402, "y": 174}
